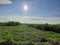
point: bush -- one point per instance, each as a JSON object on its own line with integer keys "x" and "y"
{"x": 10, "y": 23}
{"x": 43, "y": 40}
{"x": 47, "y": 27}
{"x": 30, "y": 43}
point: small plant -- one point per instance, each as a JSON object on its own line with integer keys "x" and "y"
{"x": 27, "y": 43}
{"x": 30, "y": 42}
{"x": 9, "y": 38}
{"x": 43, "y": 40}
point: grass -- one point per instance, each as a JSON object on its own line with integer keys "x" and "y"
{"x": 25, "y": 34}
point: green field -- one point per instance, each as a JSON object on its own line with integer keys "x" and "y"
{"x": 24, "y": 34}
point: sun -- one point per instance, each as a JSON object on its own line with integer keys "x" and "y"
{"x": 25, "y": 7}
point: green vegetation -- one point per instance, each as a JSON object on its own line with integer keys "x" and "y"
{"x": 10, "y": 23}
{"x": 22, "y": 34}
{"x": 46, "y": 27}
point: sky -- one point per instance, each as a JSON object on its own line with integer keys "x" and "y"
{"x": 38, "y": 11}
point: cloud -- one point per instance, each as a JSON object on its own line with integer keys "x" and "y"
{"x": 31, "y": 19}
{"x": 5, "y": 2}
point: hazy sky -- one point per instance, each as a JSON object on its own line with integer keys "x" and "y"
{"x": 39, "y": 8}
{"x": 36, "y": 7}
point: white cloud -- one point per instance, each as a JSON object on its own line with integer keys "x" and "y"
{"x": 31, "y": 19}
{"x": 5, "y": 2}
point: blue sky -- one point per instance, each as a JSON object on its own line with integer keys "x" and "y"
{"x": 39, "y": 8}
{"x": 36, "y": 7}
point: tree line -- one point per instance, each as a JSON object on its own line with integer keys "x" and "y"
{"x": 10, "y": 23}
{"x": 47, "y": 27}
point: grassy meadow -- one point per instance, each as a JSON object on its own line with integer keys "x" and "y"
{"x": 26, "y": 35}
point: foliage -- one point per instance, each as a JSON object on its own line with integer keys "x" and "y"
{"x": 25, "y": 35}
{"x": 43, "y": 39}
{"x": 47, "y": 27}
{"x": 10, "y": 23}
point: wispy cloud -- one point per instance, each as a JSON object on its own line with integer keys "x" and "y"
{"x": 5, "y": 2}
{"x": 31, "y": 19}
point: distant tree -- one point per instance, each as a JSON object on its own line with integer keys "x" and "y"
{"x": 11, "y": 23}
{"x": 47, "y": 27}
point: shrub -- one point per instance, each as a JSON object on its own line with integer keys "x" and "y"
{"x": 30, "y": 43}
{"x": 43, "y": 40}
{"x": 47, "y": 27}
{"x": 10, "y": 23}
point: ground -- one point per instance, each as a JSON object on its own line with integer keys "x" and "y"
{"x": 25, "y": 34}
